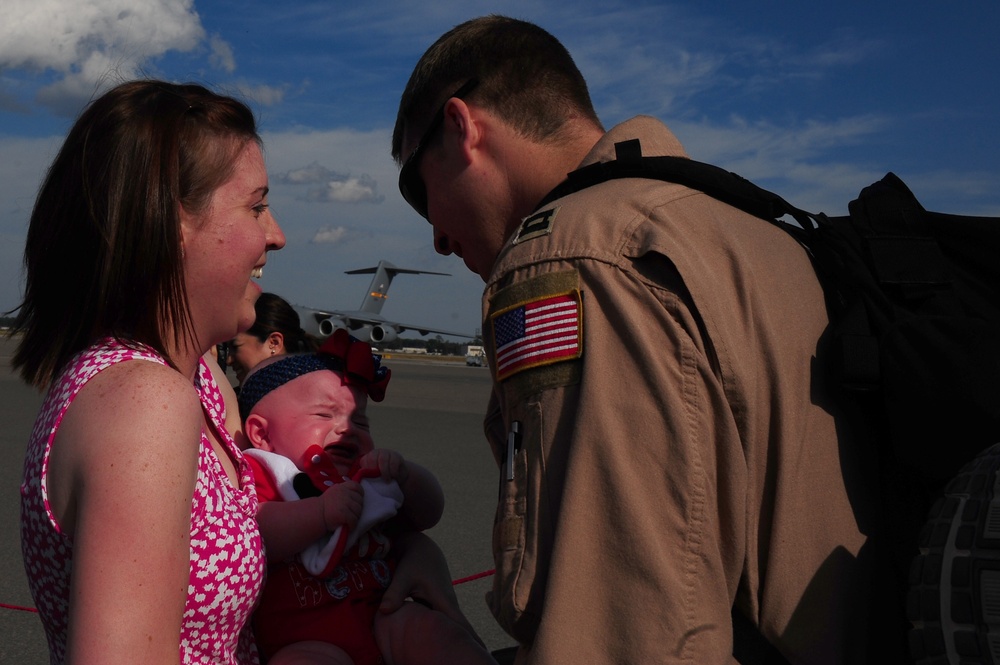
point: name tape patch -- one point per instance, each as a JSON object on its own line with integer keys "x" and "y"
{"x": 537, "y": 332}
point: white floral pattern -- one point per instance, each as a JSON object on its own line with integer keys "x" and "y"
{"x": 227, "y": 561}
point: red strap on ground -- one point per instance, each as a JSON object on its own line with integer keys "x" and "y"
{"x": 463, "y": 580}
{"x": 17, "y": 607}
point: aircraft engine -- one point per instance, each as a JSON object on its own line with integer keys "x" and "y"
{"x": 327, "y": 326}
{"x": 381, "y": 334}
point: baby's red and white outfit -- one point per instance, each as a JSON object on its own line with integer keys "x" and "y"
{"x": 331, "y": 591}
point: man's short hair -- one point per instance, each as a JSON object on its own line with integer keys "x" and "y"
{"x": 526, "y": 77}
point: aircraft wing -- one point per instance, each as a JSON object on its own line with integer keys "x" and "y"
{"x": 365, "y": 326}
{"x": 424, "y": 330}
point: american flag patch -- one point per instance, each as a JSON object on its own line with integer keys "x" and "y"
{"x": 538, "y": 332}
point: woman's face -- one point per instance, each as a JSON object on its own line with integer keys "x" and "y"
{"x": 245, "y": 351}
{"x": 224, "y": 250}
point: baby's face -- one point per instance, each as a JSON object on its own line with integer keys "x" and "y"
{"x": 317, "y": 408}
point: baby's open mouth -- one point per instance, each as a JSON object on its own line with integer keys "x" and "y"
{"x": 343, "y": 450}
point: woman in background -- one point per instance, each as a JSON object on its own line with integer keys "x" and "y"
{"x": 276, "y": 331}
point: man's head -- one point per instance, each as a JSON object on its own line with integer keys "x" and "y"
{"x": 484, "y": 104}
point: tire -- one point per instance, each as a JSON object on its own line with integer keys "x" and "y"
{"x": 954, "y": 596}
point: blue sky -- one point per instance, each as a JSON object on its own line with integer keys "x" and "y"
{"x": 812, "y": 100}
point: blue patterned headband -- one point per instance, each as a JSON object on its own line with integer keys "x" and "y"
{"x": 340, "y": 353}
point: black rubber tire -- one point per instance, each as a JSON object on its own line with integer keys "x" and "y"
{"x": 953, "y": 602}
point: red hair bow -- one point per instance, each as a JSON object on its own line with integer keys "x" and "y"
{"x": 361, "y": 367}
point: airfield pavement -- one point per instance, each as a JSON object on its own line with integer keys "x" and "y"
{"x": 432, "y": 414}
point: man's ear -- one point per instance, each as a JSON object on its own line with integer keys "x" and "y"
{"x": 255, "y": 430}
{"x": 460, "y": 118}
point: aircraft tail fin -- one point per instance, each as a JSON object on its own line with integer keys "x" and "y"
{"x": 378, "y": 290}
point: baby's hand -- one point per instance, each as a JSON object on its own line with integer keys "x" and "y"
{"x": 390, "y": 465}
{"x": 342, "y": 505}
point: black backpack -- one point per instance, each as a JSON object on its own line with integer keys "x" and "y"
{"x": 914, "y": 304}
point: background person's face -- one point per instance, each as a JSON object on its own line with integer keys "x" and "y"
{"x": 245, "y": 351}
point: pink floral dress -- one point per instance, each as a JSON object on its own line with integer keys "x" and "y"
{"x": 227, "y": 561}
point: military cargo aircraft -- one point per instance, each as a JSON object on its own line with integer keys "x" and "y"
{"x": 366, "y": 323}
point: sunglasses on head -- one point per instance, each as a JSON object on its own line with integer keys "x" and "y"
{"x": 411, "y": 185}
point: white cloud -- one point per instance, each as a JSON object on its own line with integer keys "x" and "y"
{"x": 222, "y": 54}
{"x": 352, "y": 189}
{"x": 307, "y": 175}
{"x": 796, "y": 161}
{"x": 773, "y": 147}
{"x": 96, "y": 72}
{"x": 331, "y": 235}
{"x": 262, "y": 95}
{"x": 336, "y": 188}
{"x": 91, "y": 43}
{"x": 59, "y": 34}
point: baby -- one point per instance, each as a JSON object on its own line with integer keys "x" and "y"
{"x": 330, "y": 503}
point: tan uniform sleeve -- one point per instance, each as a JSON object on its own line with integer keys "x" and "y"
{"x": 609, "y": 537}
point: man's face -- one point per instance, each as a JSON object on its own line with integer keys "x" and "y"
{"x": 445, "y": 181}
{"x": 411, "y": 183}
{"x": 319, "y": 409}
{"x": 456, "y": 215}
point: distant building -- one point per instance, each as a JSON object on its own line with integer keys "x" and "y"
{"x": 413, "y": 349}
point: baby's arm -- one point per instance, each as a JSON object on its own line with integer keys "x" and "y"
{"x": 288, "y": 527}
{"x": 423, "y": 498}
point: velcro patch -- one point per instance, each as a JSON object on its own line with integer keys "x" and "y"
{"x": 540, "y": 331}
{"x": 537, "y": 225}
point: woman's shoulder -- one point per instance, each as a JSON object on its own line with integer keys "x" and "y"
{"x": 103, "y": 354}
{"x": 127, "y": 367}
{"x": 134, "y": 424}
{"x": 131, "y": 396}
{"x": 111, "y": 350}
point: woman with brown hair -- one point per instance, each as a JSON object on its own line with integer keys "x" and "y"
{"x": 138, "y": 530}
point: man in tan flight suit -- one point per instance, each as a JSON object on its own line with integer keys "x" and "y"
{"x": 667, "y": 451}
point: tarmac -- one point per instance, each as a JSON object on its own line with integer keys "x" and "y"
{"x": 432, "y": 414}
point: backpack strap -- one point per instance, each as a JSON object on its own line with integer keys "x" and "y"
{"x": 714, "y": 181}
{"x": 856, "y": 346}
